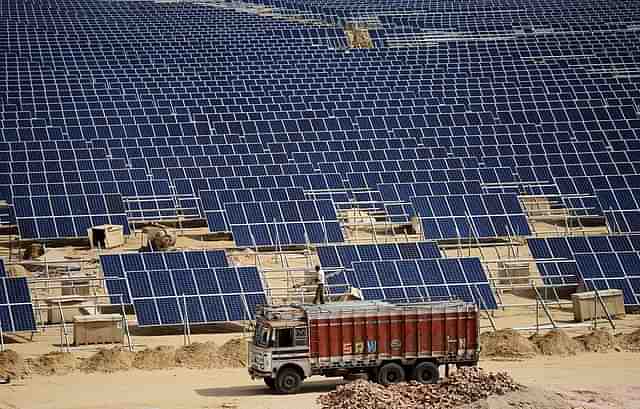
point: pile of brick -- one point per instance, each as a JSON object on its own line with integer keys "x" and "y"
{"x": 465, "y": 386}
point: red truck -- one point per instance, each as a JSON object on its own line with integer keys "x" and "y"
{"x": 389, "y": 343}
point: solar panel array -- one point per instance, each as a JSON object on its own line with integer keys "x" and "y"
{"x": 52, "y": 217}
{"x": 612, "y": 270}
{"x": 622, "y": 208}
{"x": 16, "y": 309}
{"x": 416, "y": 280}
{"x": 198, "y": 296}
{"x": 115, "y": 266}
{"x": 283, "y": 223}
{"x": 213, "y": 202}
{"x": 474, "y": 215}
{"x": 555, "y": 256}
{"x": 344, "y": 255}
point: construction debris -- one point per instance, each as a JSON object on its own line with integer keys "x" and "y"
{"x": 465, "y": 386}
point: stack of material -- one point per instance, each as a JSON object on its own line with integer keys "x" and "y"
{"x": 465, "y": 386}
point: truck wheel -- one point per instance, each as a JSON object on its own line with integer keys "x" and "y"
{"x": 270, "y": 382}
{"x": 288, "y": 381}
{"x": 390, "y": 373}
{"x": 426, "y": 372}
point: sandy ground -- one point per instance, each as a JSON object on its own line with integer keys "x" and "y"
{"x": 588, "y": 380}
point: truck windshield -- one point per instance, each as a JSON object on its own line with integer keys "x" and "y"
{"x": 262, "y": 335}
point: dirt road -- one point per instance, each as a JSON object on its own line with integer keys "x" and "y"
{"x": 589, "y": 380}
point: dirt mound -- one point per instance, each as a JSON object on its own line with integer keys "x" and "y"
{"x": 162, "y": 357}
{"x": 53, "y": 363}
{"x": 199, "y": 355}
{"x": 630, "y": 342}
{"x": 235, "y": 352}
{"x": 556, "y": 342}
{"x": 506, "y": 343}
{"x": 529, "y": 398}
{"x": 109, "y": 360}
{"x": 465, "y": 386}
{"x": 12, "y": 365}
{"x": 597, "y": 341}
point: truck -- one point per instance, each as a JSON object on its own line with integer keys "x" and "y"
{"x": 389, "y": 343}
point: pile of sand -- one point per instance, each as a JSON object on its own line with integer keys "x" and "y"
{"x": 597, "y": 341}
{"x": 109, "y": 360}
{"x": 162, "y": 357}
{"x": 12, "y": 365}
{"x": 199, "y": 355}
{"x": 53, "y": 363}
{"x": 506, "y": 343}
{"x": 234, "y": 352}
{"x": 556, "y": 342}
{"x": 629, "y": 342}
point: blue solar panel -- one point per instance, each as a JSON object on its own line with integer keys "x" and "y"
{"x": 339, "y": 259}
{"x": 53, "y": 217}
{"x": 116, "y": 266}
{"x": 463, "y": 216}
{"x": 615, "y": 270}
{"x": 565, "y": 270}
{"x": 202, "y": 296}
{"x": 213, "y": 202}
{"x": 16, "y": 309}
{"x": 284, "y": 223}
{"x": 402, "y": 280}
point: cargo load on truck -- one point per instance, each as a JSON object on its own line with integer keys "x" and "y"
{"x": 387, "y": 342}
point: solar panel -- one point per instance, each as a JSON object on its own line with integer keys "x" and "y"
{"x": 115, "y": 266}
{"x": 423, "y": 279}
{"x": 564, "y": 270}
{"x": 621, "y": 208}
{"x": 199, "y": 296}
{"x": 213, "y": 202}
{"x": 52, "y": 217}
{"x": 16, "y": 309}
{"x": 283, "y": 223}
{"x": 462, "y": 216}
{"x": 404, "y": 192}
{"x": 343, "y": 256}
{"x": 612, "y": 270}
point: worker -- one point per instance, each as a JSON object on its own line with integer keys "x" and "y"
{"x": 320, "y": 277}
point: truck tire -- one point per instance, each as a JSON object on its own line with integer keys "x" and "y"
{"x": 426, "y": 372}
{"x": 270, "y": 382}
{"x": 390, "y": 374}
{"x": 288, "y": 381}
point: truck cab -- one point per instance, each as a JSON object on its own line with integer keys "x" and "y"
{"x": 279, "y": 352}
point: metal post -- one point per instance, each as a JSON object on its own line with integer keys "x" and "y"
{"x": 604, "y": 307}
{"x": 186, "y": 314}
{"x": 544, "y": 306}
{"x": 1, "y": 339}
{"x": 64, "y": 326}
{"x": 125, "y": 324}
{"x": 537, "y": 317}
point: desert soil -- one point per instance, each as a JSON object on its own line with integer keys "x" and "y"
{"x": 587, "y": 380}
